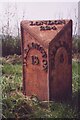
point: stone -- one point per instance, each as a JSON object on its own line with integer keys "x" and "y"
{"x": 47, "y": 59}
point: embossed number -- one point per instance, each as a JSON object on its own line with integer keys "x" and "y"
{"x": 35, "y": 60}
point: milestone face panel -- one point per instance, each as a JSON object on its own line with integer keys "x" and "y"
{"x": 46, "y": 54}
{"x": 60, "y": 65}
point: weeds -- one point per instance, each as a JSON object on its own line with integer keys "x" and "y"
{"x": 16, "y": 105}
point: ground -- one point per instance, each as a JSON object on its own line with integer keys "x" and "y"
{"x": 16, "y": 105}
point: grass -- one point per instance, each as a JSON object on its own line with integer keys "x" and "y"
{"x": 16, "y": 105}
{"x": 76, "y": 76}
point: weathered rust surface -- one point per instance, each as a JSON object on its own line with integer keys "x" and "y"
{"x": 47, "y": 60}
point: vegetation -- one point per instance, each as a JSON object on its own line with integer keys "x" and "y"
{"x": 11, "y": 45}
{"x": 16, "y": 105}
{"x": 76, "y": 45}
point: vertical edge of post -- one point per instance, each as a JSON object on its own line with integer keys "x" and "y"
{"x": 23, "y": 64}
{"x": 48, "y": 76}
{"x": 71, "y": 24}
{"x": 71, "y": 31}
{"x": 71, "y": 51}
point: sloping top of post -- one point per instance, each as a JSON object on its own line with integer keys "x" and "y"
{"x": 44, "y": 30}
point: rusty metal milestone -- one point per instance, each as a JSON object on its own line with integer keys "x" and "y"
{"x": 47, "y": 59}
